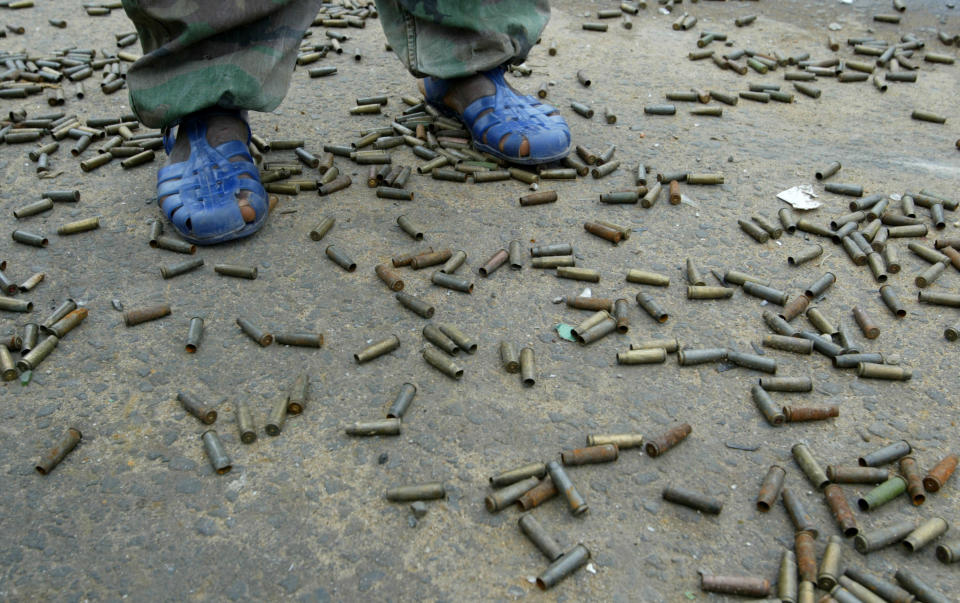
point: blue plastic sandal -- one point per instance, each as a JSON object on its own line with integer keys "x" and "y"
{"x": 513, "y": 118}
{"x": 201, "y": 192}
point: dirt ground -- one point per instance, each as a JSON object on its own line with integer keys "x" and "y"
{"x": 136, "y": 510}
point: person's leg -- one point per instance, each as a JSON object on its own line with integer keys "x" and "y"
{"x": 203, "y": 63}
{"x": 460, "y": 46}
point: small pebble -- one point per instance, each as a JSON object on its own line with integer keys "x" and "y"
{"x": 419, "y": 508}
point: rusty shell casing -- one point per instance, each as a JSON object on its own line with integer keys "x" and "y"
{"x": 795, "y": 308}
{"x": 852, "y": 474}
{"x": 829, "y": 570}
{"x": 800, "y": 414}
{"x": 442, "y": 363}
{"x": 30, "y": 360}
{"x": 786, "y": 384}
{"x": 645, "y": 277}
{"x": 779, "y": 324}
{"x": 806, "y": 553}
{"x": 528, "y": 367}
{"x": 538, "y": 495}
{"x": 866, "y": 324}
{"x": 321, "y": 229}
{"x": 509, "y": 357}
{"x": 391, "y": 278}
{"x": 553, "y": 261}
{"x": 427, "y": 491}
{"x": 651, "y": 307}
{"x": 604, "y": 232}
{"x": 498, "y": 259}
{"x": 646, "y": 356}
{"x": 437, "y": 337}
{"x": 744, "y": 586}
{"x": 578, "y": 506}
{"x": 59, "y": 451}
{"x": 374, "y": 428}
{"x": 767, "y": 407}
{"x": 669, "y": 344}
{"x": 540, "y": 538}
{"x": 506, "y": 496}
{"x": 911, "y": 581}
{"x": 539, "y": 198}
{"x": 911, "y": 472}
{"x": 868, "y": 542}
{"x": 810, "y": 466}
{"x": 949, "y": 551}
{"x": 802, "y": 522}
{"x": 197, "y": 408}
{"x": 303, "y": 340}
{"x": 417, "y": 306}
{"x": 216, "y": 453}
{"x": 247, "y": 272}
{"x": 925, "y": 533}
{"x": 882, "y": 494}
{"x": 702, "y": 356}
{"x": 818, "y": 287}
{"x": 770, "y": 488}
{"x": 620, "y": 440}
{"x": 796, "y": 345}
{"x": 601, "y": 453}
{"x": 590, "y": 303}
{"x": 65, "y": 324}
{"x": 512, "y": 476}
{"x": 255, "y": 333}
{"x": 8, "y": 369}
{"x": 135, "y": 317}
{"x": 456, "y": 260}
{"x": 752, "y": 361}
{"x": 549, "y": 250}
{"x": 377, "y": 349}
{"x": 940, "y": 473}
{"x": 248, "y": 431}
{"x": 565, "y": 565}
{"x": 693, "y": 500}
{"x": 299, "y": 394}
{"x": 705, "y": 292}
{"x": 886, "y": 454}
{"x": 787, "y": 577}
{"x": 664, "y": 442}
{"x": 172, "y": 244}
{"x": 842, "y": 512}
{"x": 430, "y": 258}
{"x": 173, "y": 270}
{"x": 774, "y": 296}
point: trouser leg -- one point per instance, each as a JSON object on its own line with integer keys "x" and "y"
{"x": 458, "y": 38}
{"x": 236, "y": 54}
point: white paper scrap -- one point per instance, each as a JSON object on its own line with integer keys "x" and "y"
{"x": 800, "y": 197}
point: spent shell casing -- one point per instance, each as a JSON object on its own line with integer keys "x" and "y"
{"x": 277, "y": 417}
{"x": 498, "y": 259}
{"x": 375, "y": 428}
{"x": 32, "y": 282}
{"x": 429, "y": 258}
{"x": 299, "y": 394}
{"x": 59, "y": 451}
{"x": 925, "y": 533}
{"x": 779, "y": 325}
{"x": 692, "y": 499}
{"x": 414, "y": 230}
{"x": 604, "y": 232}
{"x": 648, "y": 356}
{"x": 216, "y": 453}
{"x": 551, "y": 250}
{"x": 620, "y": 440}
{"x": 787, "y": 578}
{"x": 940, "y": 473}
{"x": 701, "y": 356}
{"x": 450, "y": 281}
{"x": 593, "y": 320}
{"x": 829, "y": 570}
{"x": 31, "y": 335}
{"x": 538, "y": 198}
{"x": 442, "y": 363}
{"x": 694, "y": 277}
{"x": 911, "y": 472}
{"x": 62, "y": 196}
{"x": 32, "y": 209}
{"x": 788, "y": 344}
{"x": 578, "y": 506}
{"x": 822, "y": 344}
{"x": 651, "y": 307}
{"x": 744, "y": 586}
{"x": 871, "y": 589}
{"x": 59, "y": 328}
{"x": 15, "y": 305}
{"x": 664, "y": 442}
{"x": 770, "y": 488}
{"x": 509, "y": 357}
{"x": 805, "y": 550}
{"x": 786, "y": 384}
{"x": 810, "y": 466}
{"x": 931, "y": 274}
{"x": 377, "y": 349}
{"x": 140, "y": 315}
{"x": 463, "y": 341}
{"x": 852, "y": 190}
{"x": 248, "y": 431}
{"x": 916, "y": 585}
{"x": 820, "y": 322}
{"x": 8, "y": 369}
{"x": 852, "y": 474}
{"x": 391, "y": 278}
{"x": 601, "y": 453}
{"x": 456, "y": 260}
{"x": 338, "y": 184}
{"x": 590, "y": 303}
{"x": 528, "y": 367}
{"x": 197, "y": 408}
{"x": 869, "y": 370}
{"x": 820, "y": 286}
{"x": 322, "y": 228}
{"x": 882, "y": 494}
{"x": 417, "y": 306}
{"x": 802, "y": 521}
{"x": 766, "y": 405}
{"x": 670, "y": 345}
{"x": 540, "y": 538}
{"x": 645, "y": 277}
{"x": 886, "y": 454}
{"x": 800, "y": 414}
{"x": 752, "y": 361}
{"x": 248, "y": 272}
{"x": 949, "y": 551}
{"x": 303, "y": 340}
{"x": 29, "y": 238}
{"x": 578, "y": 274}
{"x": 427, "y": 491}
{"x": 506, "y": 496}
{"x": 180, "y": 268}
{"x": 842, "y": 512}
{"x": 706, "y": 292}
{"x": 652, "y": 195}
{"x": 598, "y": 331}
{"x": 868, "y": 542}
{"x": 340, "y": 258}
{"x": 512, "y": 476}
{"x": 440, "y": 339}
{"x": 566, "y": 564}
{"x": 774, "y": 296}
{"x": 172, "y": 244}
{"x": 255, "y": 333}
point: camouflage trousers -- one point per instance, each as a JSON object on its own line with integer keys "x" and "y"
{"x": 240, "y": 54}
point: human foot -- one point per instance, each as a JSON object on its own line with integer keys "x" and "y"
{"x": 503, "y": 122}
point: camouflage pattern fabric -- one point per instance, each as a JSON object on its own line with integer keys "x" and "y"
{"x": 240, "y": 54}
{"x": 457, "y": 38}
